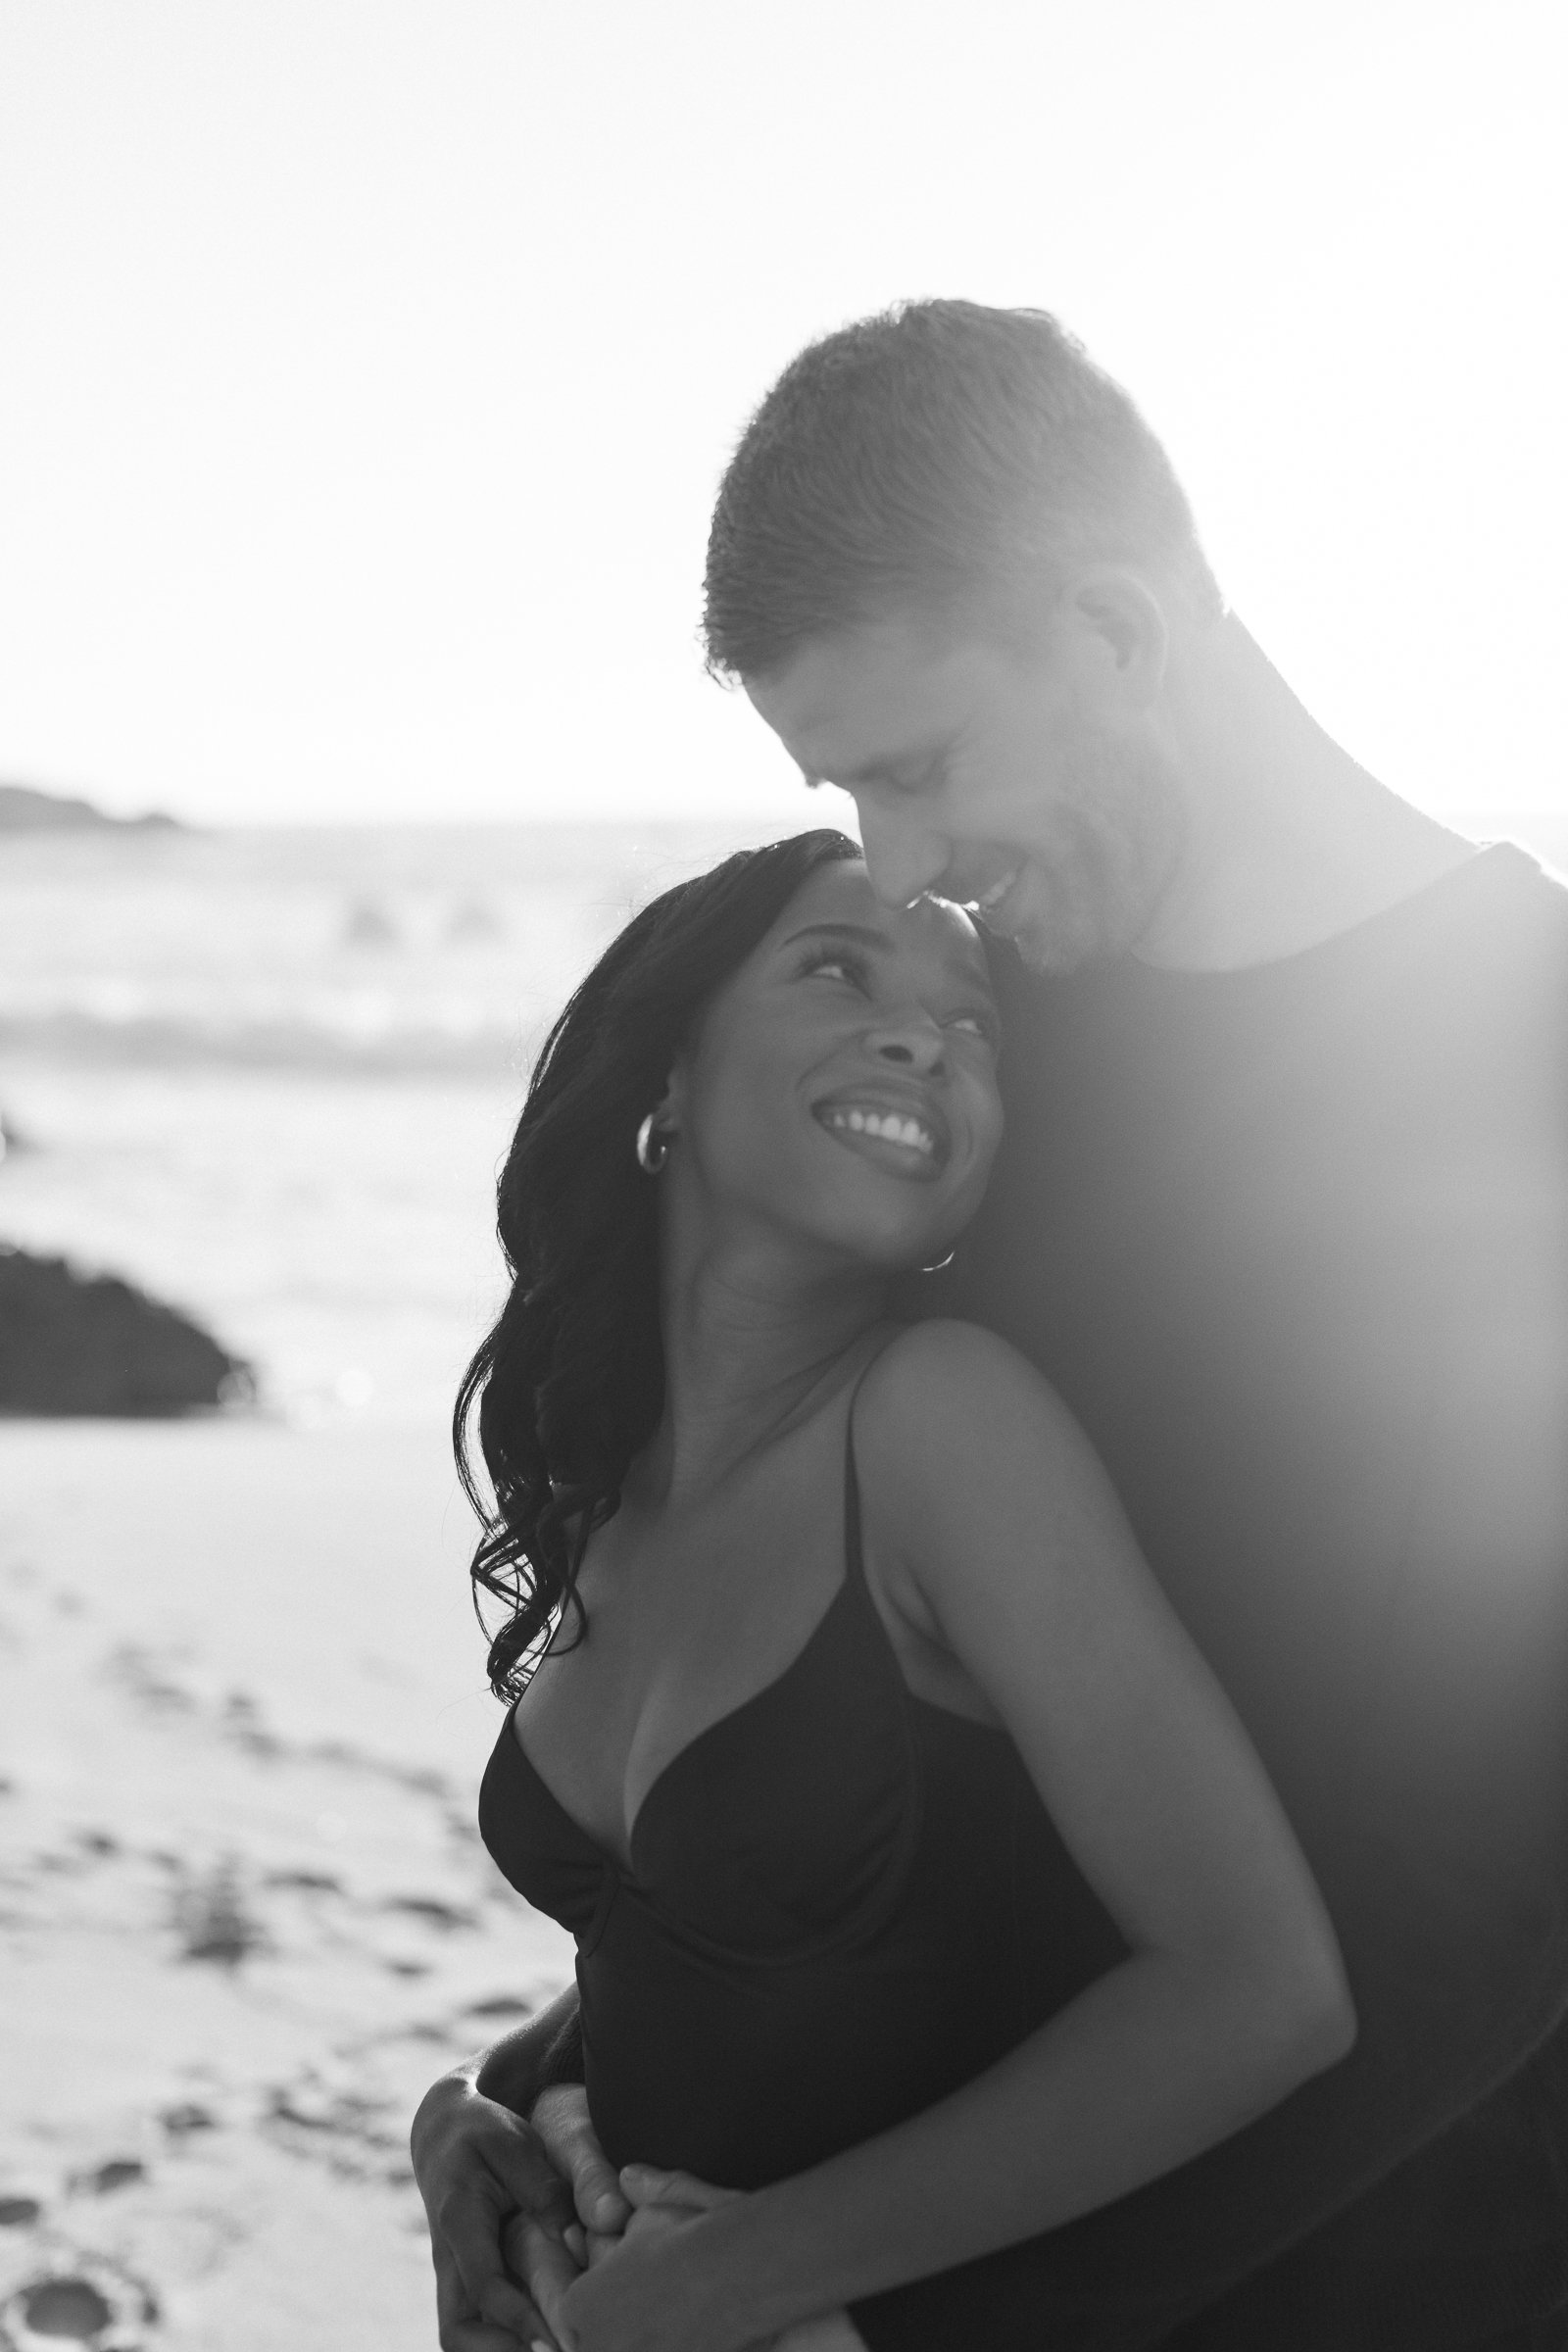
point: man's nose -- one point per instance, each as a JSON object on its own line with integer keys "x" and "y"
{"x": 902, "y": 859}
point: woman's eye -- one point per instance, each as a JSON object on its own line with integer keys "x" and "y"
{"x": 837, "y": 967}
{"x": 978, "y": 1024}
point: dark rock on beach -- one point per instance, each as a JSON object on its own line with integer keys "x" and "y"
{"x": 74, "y": 1342}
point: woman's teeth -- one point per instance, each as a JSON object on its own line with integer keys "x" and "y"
{"x": 888, "y": 1125}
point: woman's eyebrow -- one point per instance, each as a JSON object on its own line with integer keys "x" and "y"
{"x": 858, "y": 931}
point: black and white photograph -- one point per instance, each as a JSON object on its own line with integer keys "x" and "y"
{"x": 783, "y": 1176}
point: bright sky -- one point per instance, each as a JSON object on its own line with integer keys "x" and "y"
{"x": 366, "y": 367}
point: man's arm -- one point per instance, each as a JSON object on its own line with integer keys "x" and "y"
{"x": 517, "y": 2067}
{"x": 478, "y": 2162}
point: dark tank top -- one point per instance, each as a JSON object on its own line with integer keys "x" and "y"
{"x": 843, "y": 1902}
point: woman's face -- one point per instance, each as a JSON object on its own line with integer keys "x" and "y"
{"x": 842, "y": 1086}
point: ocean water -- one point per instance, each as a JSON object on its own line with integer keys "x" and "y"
{"x": 272, "y": 1074}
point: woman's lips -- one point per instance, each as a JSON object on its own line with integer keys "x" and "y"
{"x": 910, "y": 1140}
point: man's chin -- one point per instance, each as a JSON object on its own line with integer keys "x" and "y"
{"x": 1090, "y": 906}
{"x": 1053, "y": 949}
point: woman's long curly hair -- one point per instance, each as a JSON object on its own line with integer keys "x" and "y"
{"x": 570, "y": 1384}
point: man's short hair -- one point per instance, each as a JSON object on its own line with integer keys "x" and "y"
{"x": 940, "y": 459}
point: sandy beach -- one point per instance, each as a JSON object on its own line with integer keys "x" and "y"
{"x": 244, "y": 1914}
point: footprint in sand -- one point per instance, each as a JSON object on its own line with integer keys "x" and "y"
{"x": 147, "y": 1678}
{"x": 89, "y": 2303}
{"x": 213, "y": 1917}
{"x": 432, "y": 1911}
{"x": 186, "y": 2117}
{"x": 358, "y": 2133}
{"x": 120, "y": 2171}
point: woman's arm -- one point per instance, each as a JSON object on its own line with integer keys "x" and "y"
{"x": 992, "y": 1527}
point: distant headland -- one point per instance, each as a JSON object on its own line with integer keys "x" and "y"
{"x": 90, "y": 1343}
{"x": 25, "y": 809}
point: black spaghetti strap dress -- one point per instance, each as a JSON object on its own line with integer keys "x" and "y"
{"x": 843, "y": 1902}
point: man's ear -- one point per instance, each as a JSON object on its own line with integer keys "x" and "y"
{"x": 1123, "y": 619}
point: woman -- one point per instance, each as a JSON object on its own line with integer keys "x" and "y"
{"x": 926, "y": 1890}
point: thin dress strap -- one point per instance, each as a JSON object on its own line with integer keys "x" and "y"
{"x": 853, "y": 1556}
{"x": 853, "y": 1562}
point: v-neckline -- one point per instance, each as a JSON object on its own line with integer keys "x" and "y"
{"x": 624, "y": 1864}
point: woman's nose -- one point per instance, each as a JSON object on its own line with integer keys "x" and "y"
{"x": 915, "y": 1044}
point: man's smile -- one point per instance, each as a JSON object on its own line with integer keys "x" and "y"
{"x": 994, "y": 905}
{"x": 989, "y": 901}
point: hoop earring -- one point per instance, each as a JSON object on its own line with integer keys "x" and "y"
{"x": 653, "y": 1145}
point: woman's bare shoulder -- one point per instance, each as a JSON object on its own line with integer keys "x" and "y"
{"x": 985, "y": 1496}
{"x": 946, "y": 1366}
{"x": 944, "y": 1400}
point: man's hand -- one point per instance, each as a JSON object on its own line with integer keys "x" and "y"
{"x": 477, "y": 2164}
{"x": 559, "y": 2118}
{"x": 546, "y": 2257}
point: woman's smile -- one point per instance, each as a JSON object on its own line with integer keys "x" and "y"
{"x": 876, "y": 1023}
{"x": 906, "y": 1135}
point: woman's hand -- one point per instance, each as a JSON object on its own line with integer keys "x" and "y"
{"x": 652, "y": 2192}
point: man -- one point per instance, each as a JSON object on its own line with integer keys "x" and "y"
{"x": 1282, "y": 1212}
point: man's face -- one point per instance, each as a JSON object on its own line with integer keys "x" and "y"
{"x": 1008, "y": 782}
